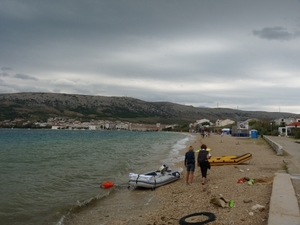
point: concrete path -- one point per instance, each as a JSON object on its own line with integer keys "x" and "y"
{"x": 292, "y": 148}
{"x": 285, "y": 198}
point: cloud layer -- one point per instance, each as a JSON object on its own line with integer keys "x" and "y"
{"x": 233, "y": 54}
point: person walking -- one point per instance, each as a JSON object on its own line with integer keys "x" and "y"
{"x": 203, "y": 162}
{"x": 203, "y": 133}
{"x": 189, "y": 162}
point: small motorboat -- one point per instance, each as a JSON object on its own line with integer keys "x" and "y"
{"x": 153, "y": 179}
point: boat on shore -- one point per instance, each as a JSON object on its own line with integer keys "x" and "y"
{"x": 153, "y": 179}
{"x": 229, "y": 160}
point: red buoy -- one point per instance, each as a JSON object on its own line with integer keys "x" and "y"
{"x": 107, "y": 184}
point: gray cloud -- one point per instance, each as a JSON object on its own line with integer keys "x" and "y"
{"x": 276, "y": 33}
{"x": 188, "y": 52}
{"x": 4, "y": 74}
{"x": 5, "y": 68}
{"x": 25, "y": 77}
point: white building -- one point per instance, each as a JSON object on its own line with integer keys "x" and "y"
{"x": 224, "y": 122}
{"x": 288, "y": 128}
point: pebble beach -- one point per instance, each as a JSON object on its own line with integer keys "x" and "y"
{"x": 249, "y": 202}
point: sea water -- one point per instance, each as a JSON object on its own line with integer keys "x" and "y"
{"x": 48, "y": 176}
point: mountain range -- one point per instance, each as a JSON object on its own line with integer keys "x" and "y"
{"x": 41, "y": 106}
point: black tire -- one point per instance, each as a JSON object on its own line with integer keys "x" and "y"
{"x": 211, "y": 217}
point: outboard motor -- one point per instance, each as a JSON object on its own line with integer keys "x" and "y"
{"x": 163, "y": 169}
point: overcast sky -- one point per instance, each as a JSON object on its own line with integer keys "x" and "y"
{"x": 232, "y": 54}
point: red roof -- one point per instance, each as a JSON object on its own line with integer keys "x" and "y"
{"x": 294, "y": 124}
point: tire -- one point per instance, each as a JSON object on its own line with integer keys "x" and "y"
{"x": 211, "y": 217}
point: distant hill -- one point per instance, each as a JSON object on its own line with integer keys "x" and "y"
{"x": 41, "y": 106}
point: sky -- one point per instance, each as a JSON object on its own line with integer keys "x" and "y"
{"x": 206, "y": 53}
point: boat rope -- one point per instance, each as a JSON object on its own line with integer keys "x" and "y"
{"x": 137, "y": 179}
{"x": 211, "y": 217}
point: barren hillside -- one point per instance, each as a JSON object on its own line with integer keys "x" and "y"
{"x": 40, "y": 106}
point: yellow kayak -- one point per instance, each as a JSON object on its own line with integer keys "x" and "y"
{"x": 229, "y": 160}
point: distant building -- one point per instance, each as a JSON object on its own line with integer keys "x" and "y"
{"x": 287, "y": 129}
{"x": 201, "y": 121}
{"x": 92, "y": 127}
{"x": 283, "y": 121}
{"x": 224, "y": 122}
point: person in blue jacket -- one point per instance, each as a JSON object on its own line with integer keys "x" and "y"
{"x": 189, "y": 162}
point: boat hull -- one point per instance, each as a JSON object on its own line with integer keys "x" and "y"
{"x": 153, "y": 179}
{"x": 229, "y": 160}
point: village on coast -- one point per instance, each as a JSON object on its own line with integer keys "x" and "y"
{"x": 279, "y": 126}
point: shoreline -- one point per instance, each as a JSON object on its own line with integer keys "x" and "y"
{"x": 178, "y": 199}
{"x": 124, "y": 202}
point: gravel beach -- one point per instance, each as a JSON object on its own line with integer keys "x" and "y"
{"x": 251, "y": 202}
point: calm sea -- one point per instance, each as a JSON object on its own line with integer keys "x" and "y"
{"x": 54, "y": 176}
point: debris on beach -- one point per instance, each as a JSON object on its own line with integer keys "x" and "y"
{"x": 241, "y": 180}
{"x": 258, "y": 207}
{"x": 218, "y": 202}
{"x": 251, "y": 182}
{"x": 247, "y": 200}
{"x": 267, "y": 180}
{"x": 221, "y": 201}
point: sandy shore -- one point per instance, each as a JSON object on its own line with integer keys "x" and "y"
{"x": 179, "y": 199}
